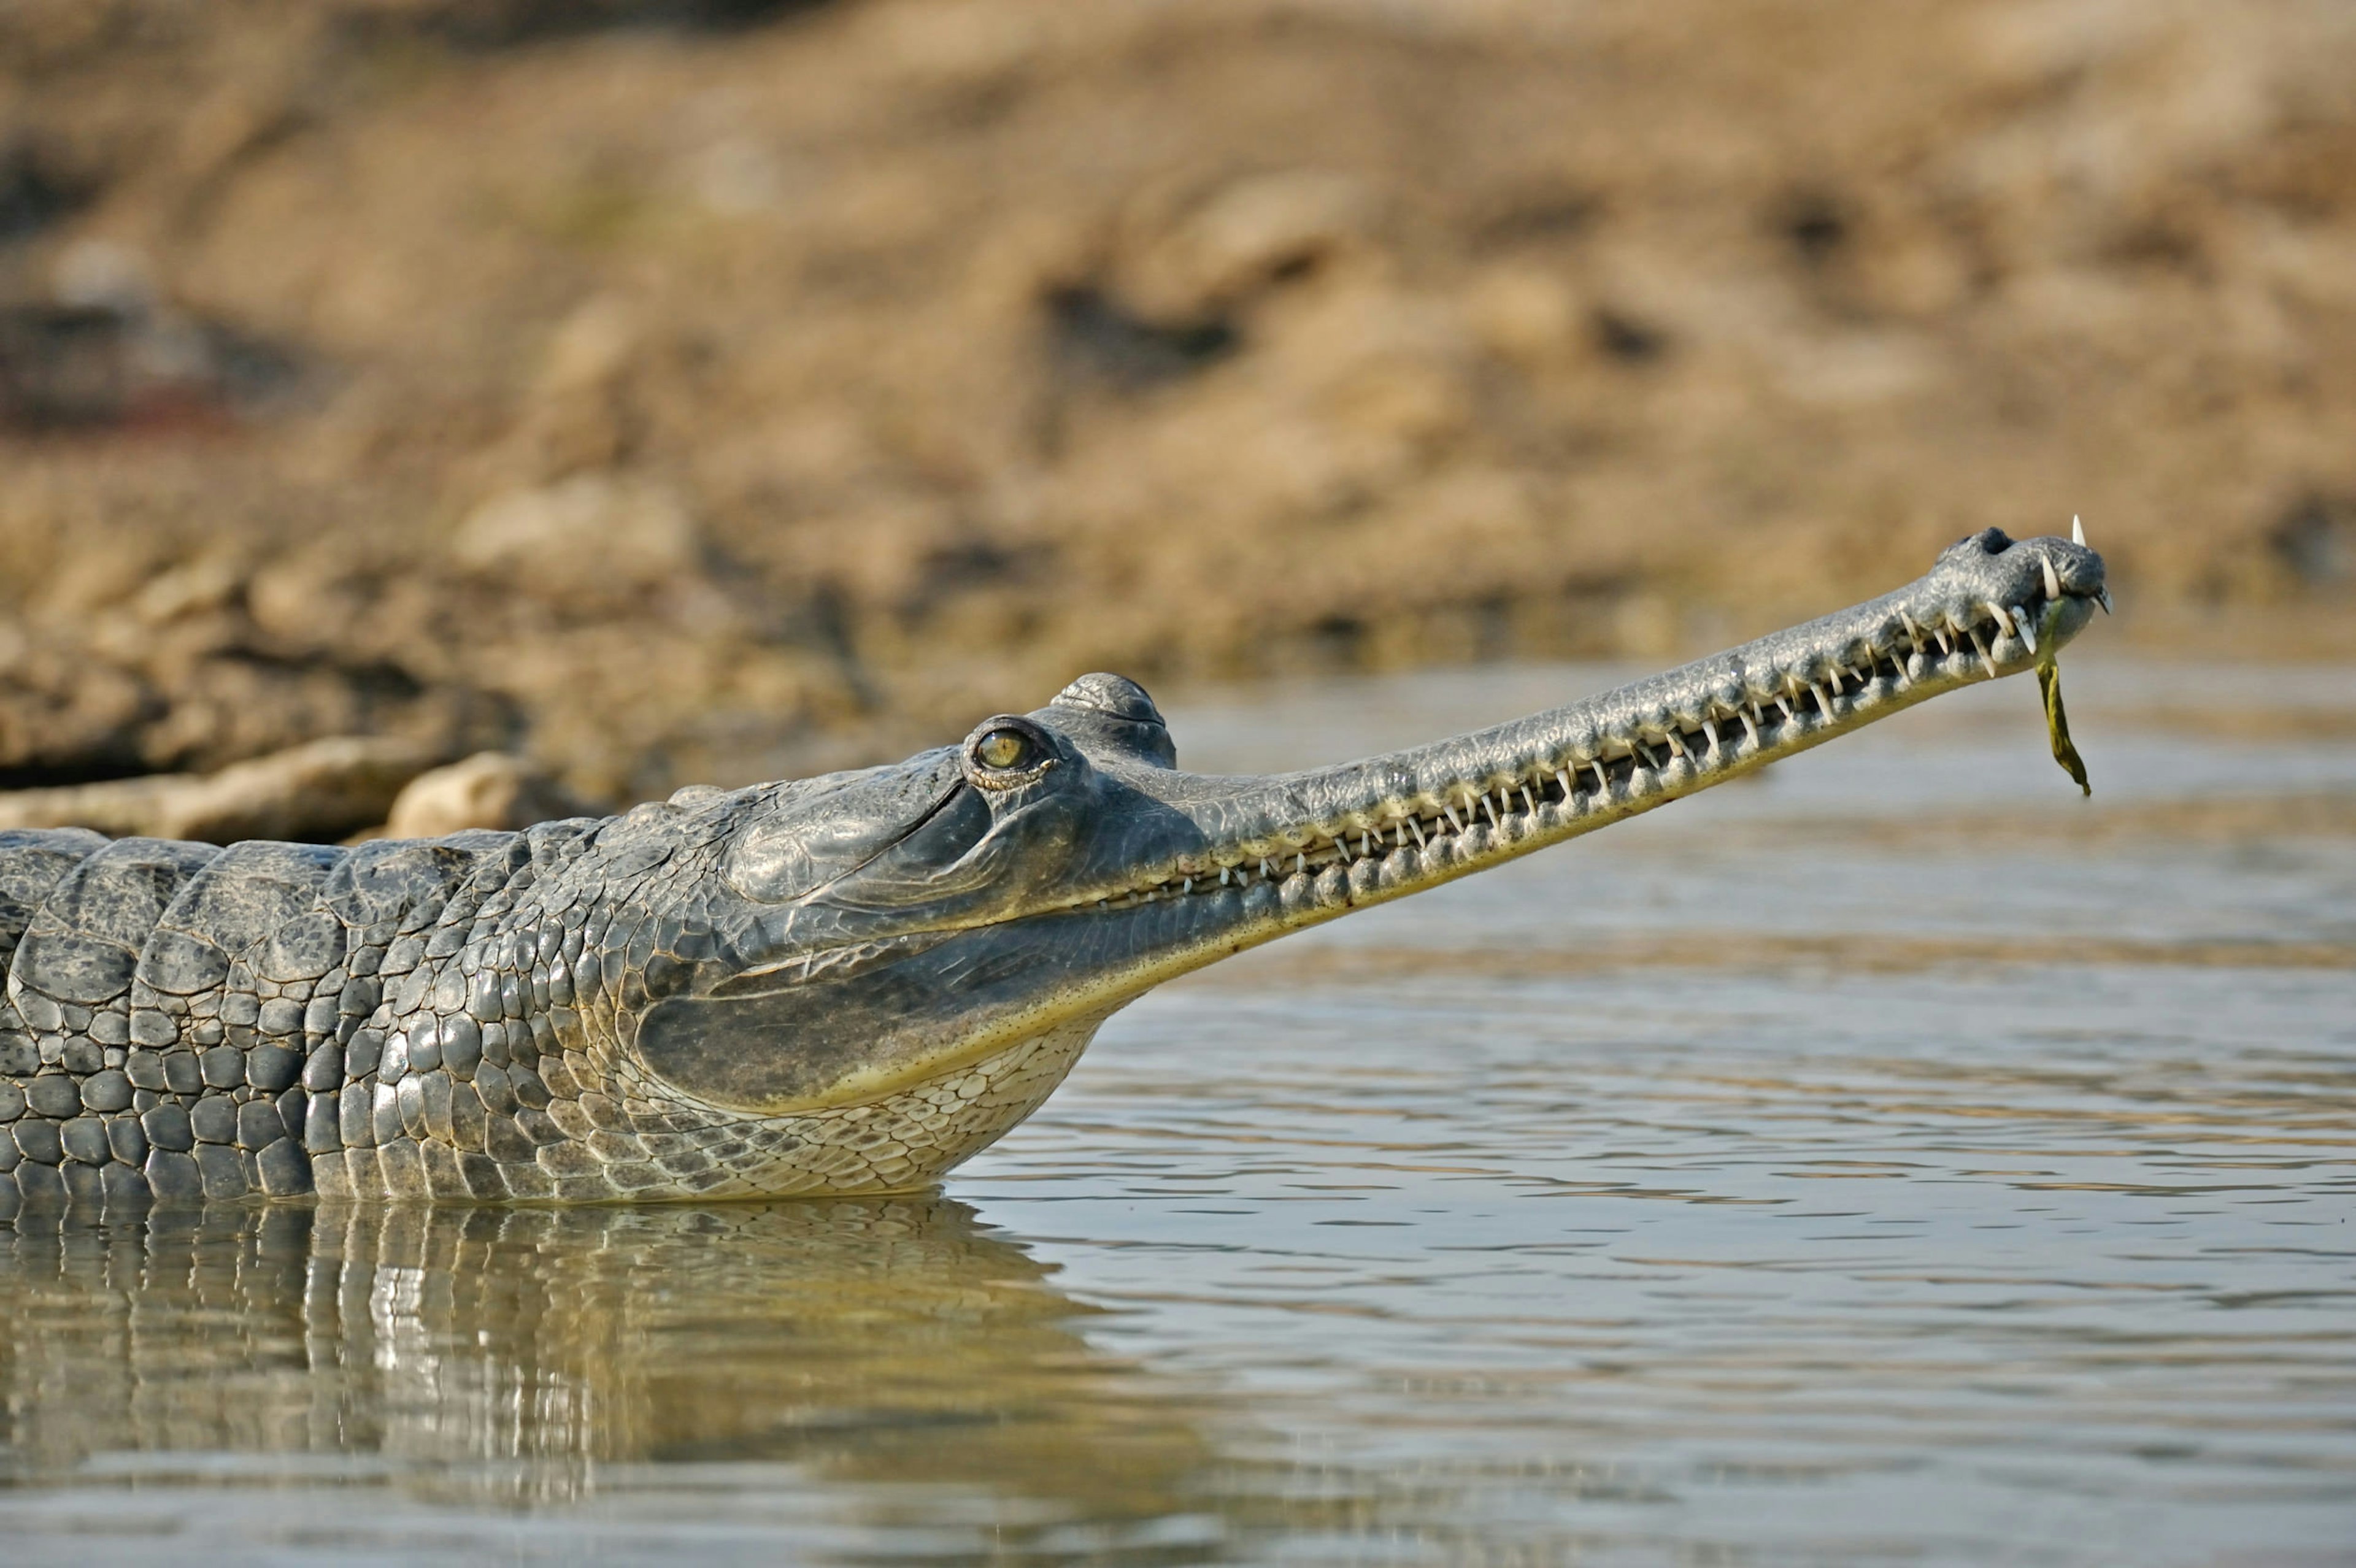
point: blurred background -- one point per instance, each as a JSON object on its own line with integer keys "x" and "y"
{"x": 670, "y": 391}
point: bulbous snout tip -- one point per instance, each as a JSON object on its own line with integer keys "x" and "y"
{"x": 1992, "y": 567}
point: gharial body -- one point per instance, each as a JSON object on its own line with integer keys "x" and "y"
{"x": 845, "y": 984}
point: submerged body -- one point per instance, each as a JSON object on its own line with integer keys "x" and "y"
{"x": 846, "y": 984}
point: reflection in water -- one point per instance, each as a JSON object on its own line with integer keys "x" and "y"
{"x": 895, "y": 1351}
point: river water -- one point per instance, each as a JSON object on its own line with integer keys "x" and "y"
{"x": 1895, "y": 1160}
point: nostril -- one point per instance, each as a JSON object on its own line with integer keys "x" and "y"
{"x": 1995, "y": 541}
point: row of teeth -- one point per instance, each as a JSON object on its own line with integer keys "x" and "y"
{"x": 1762, "y": 720}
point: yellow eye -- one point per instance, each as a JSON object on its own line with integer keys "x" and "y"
{"x": 1002, "y": 749}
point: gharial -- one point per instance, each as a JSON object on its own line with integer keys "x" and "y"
{"x": 845, "y": 984}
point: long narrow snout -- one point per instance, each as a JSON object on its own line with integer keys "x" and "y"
{"x": 1315, "y": 844}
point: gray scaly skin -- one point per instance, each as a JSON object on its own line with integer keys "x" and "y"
{"x": 845, "y": 984}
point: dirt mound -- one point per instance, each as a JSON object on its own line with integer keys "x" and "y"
{"x": 718, "y": 389}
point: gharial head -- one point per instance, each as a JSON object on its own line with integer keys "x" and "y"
{"x": 833, "y": 941}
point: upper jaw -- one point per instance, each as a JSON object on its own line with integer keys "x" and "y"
{"x": 1331, "y": 838}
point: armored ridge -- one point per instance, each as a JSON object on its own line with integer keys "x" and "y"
{"x": 190, "y": 1021}
{"x": 845, "y": 984}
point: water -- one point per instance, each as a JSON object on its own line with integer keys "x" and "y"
{"x": 1897, "y": 1161}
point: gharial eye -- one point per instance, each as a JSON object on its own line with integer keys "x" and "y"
{"x": 1007, "y": 753}
{"x": 1003, "y": 749}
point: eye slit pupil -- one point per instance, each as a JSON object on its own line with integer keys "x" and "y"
{"x": 1002, "y": 749}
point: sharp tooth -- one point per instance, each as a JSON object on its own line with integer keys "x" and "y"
{"x": 1562, "y": 777}
{"x": 1904, "y": 680}
{"x": 1821, "y": 701}
{"x": 1224, "y": 872}
{"x": 2003, "y": 617}
{"x": 1833, "y": 675}
{"x": 1416, "y": 828}
{"x": 1676, "y": 744}
{"x": 2077, "y": 530}
{"x": 1946, "y": 645}
{"x": 2102, "y": 597}
{"x": 1341, "y": 848}
{"x": 1263, "y": 867}
{"x": 1364, "y": 843}
{"x": 2052, "y": 580}
{"x": 1986, "y": 657}
{"x": 1300, "y": 864}
{"x": 1785, "y": 703}
{"x": 1602, "y": 779}
{"x": 1453, "y": 820}
{"x": 1187, "y": 886}
{"x": 1646, "y": 752}
{"x": 1750, "y": 727}
{"x": 1913, "y": 631}
{"x": 2022, "y": 629}
{"x": 1490, "y": 810}
{"x": 1709, "y": 727}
